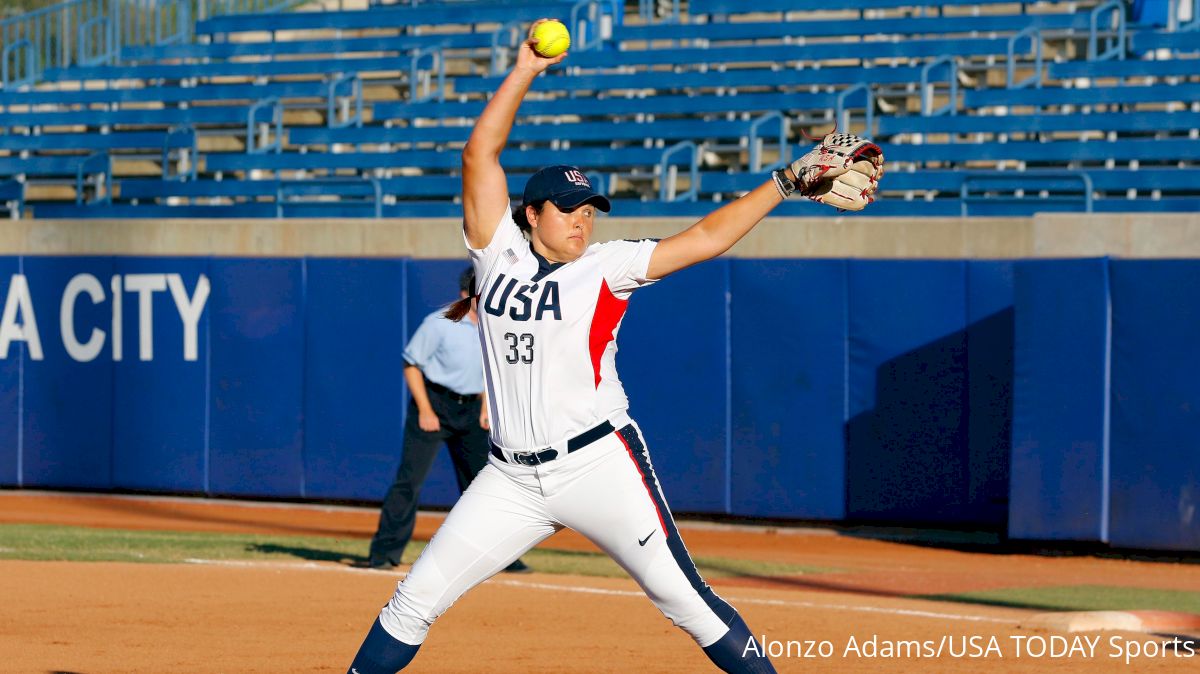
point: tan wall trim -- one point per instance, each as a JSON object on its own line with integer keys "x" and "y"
{"x": 1051, "y": 235}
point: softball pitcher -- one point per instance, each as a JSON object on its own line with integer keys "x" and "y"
{"x": 565, "y": 452}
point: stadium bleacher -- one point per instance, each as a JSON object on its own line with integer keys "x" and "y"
{"x": 361, "y": 112}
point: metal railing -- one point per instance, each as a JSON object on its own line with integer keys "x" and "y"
{"x": 12, "y": 198}
{"x": 1050, "y": 187}
{"x": 757, "y": 141}
{"x": 55, "y": 37}
{"x": 841, "y": 116}
{"x": 927, "y": 87}
{"x": 1035, "y": 45}
{"x": 668, "y": 173}
{"x": 211, "y": 8}
{"x": 665, "y": 11}
{"x": 1099, "y": 47}
{"x": 92, "y": 32}
{"x": 315, "y": 190}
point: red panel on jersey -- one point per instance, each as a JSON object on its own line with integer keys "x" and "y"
{"x": 609, "y": 311}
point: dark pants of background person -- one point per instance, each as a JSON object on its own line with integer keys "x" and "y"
{"x": 468, "y": 445}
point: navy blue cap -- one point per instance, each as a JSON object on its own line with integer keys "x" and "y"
{"x": 566, "y": 186}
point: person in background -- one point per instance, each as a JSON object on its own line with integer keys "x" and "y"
{"x": 443, "y": 366}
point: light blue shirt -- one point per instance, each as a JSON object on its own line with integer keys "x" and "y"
{"x": 448, "y": 353}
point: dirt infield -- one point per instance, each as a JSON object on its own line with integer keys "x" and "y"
{"x": 310, "y": 617}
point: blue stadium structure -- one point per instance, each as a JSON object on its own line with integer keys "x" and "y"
{"x": 270, "y": 108}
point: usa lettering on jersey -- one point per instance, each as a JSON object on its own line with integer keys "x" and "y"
{"x": 518, "y": 299}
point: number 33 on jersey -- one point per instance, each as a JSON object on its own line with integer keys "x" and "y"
{"x": 534, "y": 315}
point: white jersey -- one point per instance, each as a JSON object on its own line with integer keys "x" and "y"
{"x": 549, "y": 335}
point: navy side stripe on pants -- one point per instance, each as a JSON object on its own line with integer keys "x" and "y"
{"x": 641, "y": 458}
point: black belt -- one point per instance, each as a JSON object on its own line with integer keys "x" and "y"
{"x": 539, "y": 457}
{"x": 450, "y": 393}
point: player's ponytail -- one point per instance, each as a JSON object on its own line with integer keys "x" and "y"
{"x": 466, "y": 284}
{"x": 456, "y": 311}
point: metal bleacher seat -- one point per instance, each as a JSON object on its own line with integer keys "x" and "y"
{"x": 684, "y": 129}
{"x": 57, "y": 165}
{"x": 1178, "y": 149}
{"x": 431, "y": 14}
{"x": 837, "y": 27}
{"x": 130, "y": 140}
{"x": 1187, "y": 41}
{"x": 1051, "y": 96}
{"x": 428, "y": 186}
{"x": 619, "y": 105}
{"x": 922, "y": 48}
{"x": 248, "y": 69}
{"x": 341, "y": 46}
{"x": 155, "y": 117}
{"x": 1041, "y": 123}
{"x": 710, "y": 79}
{"x": 1122, "y": 69}
{"x": 591, "y": 157}
{"x": 950, "y": 180}
{"x": 700, "y": 7}
{"x": 167, "y": 94}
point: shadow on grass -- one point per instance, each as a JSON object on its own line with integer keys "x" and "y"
{"x": 1003, "y": 603}
{"x": 308, "y": 553}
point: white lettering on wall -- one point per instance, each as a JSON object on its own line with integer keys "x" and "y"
{"x": 118, "y": 333}
{"x": 87, "y": 351}
{"x": 189, "y": 310}
{"x": 145, "y": 285}
{"x": 18, "y": 323}
{"x": 19, "y": 301}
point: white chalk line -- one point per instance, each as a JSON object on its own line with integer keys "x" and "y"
{"x": 583, "y": 589}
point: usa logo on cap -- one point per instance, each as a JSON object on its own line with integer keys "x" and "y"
{"x": 577, "y": 178}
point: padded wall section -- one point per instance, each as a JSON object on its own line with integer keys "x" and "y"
{"x": 10, "y": 387}
{"x": 906, "y": 435}
{"x": 788, "y": 339}
{"x": 432, "y": 284}
{"x": 1156, "y": 404}
{"x": 1059, "y": 487}
{"x": 160, "y": 395}
{"x": 353, "y": 391}
{"x": 257, "y": 365}
{"x": 67, "y": 429}
{"x": 673, "y": 361}
{"x": 989, "y": 400}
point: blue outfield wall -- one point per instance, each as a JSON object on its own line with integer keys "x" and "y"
{"x": 1155, "y": 437}
{"x": 256, "y": 365}
{"x": 906, "y": 432}
{"x": 11, "y": 361}
{"x": 788, "y": 388}
{"x": 1053, "y": 399}
{"x": 160, "y": 398}
{"x": 354, "y": 384}
{"x": 67, "y": 404}
{"x": 1059, "y": 487}
{"x": 674, "y": 364}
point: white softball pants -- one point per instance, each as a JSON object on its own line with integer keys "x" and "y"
{"x": 606, "y": 491}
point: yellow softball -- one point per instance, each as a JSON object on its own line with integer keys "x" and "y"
{"x": 552, "y": 38}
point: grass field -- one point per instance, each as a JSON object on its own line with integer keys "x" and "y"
{"x": 80, "y": 544}
{"x": 1080, "y": 598}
